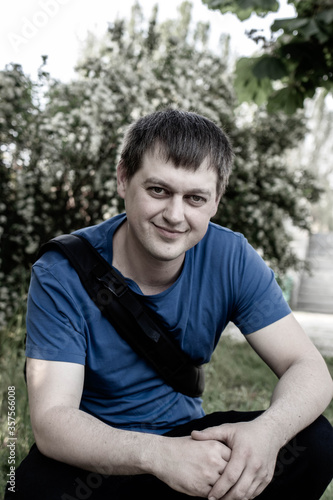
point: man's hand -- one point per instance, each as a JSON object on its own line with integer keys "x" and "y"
{"x": 251, "y": 466}
{"x": 191, "y": 466}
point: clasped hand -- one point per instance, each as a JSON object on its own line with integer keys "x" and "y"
{"x": 250, "y": 467}
{"x": 229, "y": 462}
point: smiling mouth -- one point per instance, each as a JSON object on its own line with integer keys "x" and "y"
{"x": 170, "y": 233}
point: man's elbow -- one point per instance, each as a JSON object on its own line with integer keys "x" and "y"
{"x": 330, "y": 385}
{"x": 326, "y": 383}
{"x": 46, "y": 430}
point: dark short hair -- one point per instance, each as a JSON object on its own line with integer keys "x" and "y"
{"x": 185, "y": 138}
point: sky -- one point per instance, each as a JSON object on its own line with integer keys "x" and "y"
{"x": 57, "y": 28}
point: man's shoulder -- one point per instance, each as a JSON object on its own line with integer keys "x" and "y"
{"x": 223, "y": 232}
{"x": 99, "y": 235}
{"x": 222, "y": 237}
{"x": 220, "y": 250}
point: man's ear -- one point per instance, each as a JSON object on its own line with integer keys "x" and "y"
{"x": 121, "y": 179}
{"x": 217, "y": 202}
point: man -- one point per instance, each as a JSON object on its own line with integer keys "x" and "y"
{"x": 106, "y": 425}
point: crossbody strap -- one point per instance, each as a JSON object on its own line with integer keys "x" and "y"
{"x": 133, "y": 320}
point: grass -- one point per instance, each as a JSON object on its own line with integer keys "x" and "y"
{"x": 11, "y": 374}
{"x": 236, "y": 379}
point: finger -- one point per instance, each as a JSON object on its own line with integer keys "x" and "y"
{"x": 259, "y": 489}
{"x": 249, "y": 485}
{"x": 262, "y": 484}
{"x": 202, "y": 435}
{"x": 230, "y": 477}
{"x": 218, "y": 433}
{"x": 224, "y": 449}
{"x": 225, "y": 453}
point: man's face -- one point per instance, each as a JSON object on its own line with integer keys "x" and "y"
{"x": 168, "y": 208}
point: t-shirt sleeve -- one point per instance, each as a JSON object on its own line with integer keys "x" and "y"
{"x": 55, "y": 325}
{"x": 259, "y": 299}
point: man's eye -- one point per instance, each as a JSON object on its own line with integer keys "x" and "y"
{"x": 197, "y": 199}
{"x": 157, "y": 190}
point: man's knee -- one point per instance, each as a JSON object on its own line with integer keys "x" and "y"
{"x": 309, "y": 453}
{"x": 318, "y": 438}
{"x": 39, "y": 477}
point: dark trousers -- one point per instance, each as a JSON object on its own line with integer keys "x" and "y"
{"x": 303, "y": 470}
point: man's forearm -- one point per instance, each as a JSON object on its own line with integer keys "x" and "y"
{"x": 300, "y": 396}
{"x": 77, "y": 438}
{"x": 74, "y": 437}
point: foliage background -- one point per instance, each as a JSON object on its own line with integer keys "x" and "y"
{"x": 298, "y": 55}
{"x": 59, "y": 142}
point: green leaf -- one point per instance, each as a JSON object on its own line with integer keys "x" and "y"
{"x": 288, "y": 99}
{"x": 247, "y": 86}
{"x": 311, "y": 29}
{"x": 288, "y": 25}
{"x": 326, "y": 16}
{"x": 307, "y": 27}
{"x": 269, "y": 67}
{"x": 243, "y": 8}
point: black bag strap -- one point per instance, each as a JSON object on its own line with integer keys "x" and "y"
{"x": 134, "y": 321}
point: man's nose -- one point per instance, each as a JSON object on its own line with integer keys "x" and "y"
{"x": 174, "y": 210}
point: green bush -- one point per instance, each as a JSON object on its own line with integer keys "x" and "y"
{"x": 59, "y": 142}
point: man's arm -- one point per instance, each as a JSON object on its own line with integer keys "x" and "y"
{"x": 303, "y": 392}
{"x": 65, "y": 433}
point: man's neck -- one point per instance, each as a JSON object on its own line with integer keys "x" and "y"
{"x": 151, "y": 275}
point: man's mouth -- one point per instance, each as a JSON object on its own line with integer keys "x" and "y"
{"x": 169, "y": 232}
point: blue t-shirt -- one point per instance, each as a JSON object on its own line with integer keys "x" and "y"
{"x": 223, "y": 279}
